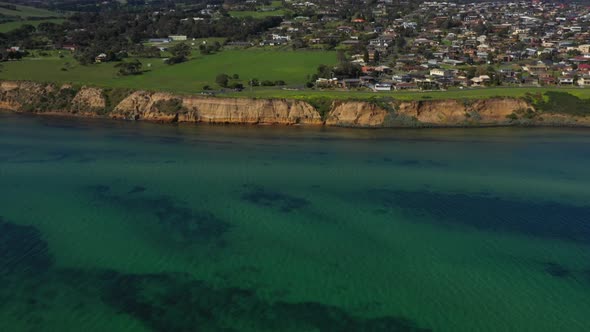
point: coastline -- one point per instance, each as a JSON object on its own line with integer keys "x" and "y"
{"x": 163, "y": 107}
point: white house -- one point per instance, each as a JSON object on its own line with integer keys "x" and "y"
{"x": 584, "y": 80}
{"x": 177, "y": 37}
{"x": 382, "y": 87}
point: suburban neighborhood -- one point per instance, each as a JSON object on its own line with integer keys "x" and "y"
{"x": 380, "y": 45}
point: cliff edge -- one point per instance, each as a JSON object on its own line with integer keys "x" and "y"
{"x": 33, "y": 97}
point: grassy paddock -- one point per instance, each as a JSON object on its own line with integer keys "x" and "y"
{"x": 9, "y": 26}
{"x": 25, "y": 11}
{"x": 481, "y": 93}
{"x": 257, "y": 14}
{"x": 189, "y": 77}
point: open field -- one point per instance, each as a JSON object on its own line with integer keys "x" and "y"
{"x": 276, "y": 6}
{"x": 25, "y": 11}
{"x": 22, "y": 15}
{"x": 8, "y": 26}
{"x": 476, "y": 93}
{"x": 257, "y": 14}
{"x": 189, "y": 77}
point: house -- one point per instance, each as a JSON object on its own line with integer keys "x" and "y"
{"x": 367, "y": 79}
{"x": 351, "y": 83}
{"x": 177, "y": 37}
{"x": 100, "y": 58}
{"x": 402, "y": 78}
{"x": 69, "y": 47}
{"x": 480, "y": 80}
{"x": 383, "y": 87}
{"x": 440, "y": 72}
{"x": 326, "y": 83}
{"x": 566, "y": 80}
{"x": 383, "y": 69}
{"x": 584, "y": 80}
{"x": 280, "y": 37}
{"x": 159, "y": 40}
{"x": 405, "y": 86}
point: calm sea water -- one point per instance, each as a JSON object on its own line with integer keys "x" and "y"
{"x": 113, "y": 226}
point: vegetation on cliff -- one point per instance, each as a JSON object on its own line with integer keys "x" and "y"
{"x": 559, "y": 103}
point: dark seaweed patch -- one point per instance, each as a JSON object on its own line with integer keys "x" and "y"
{"x": 420, "y": 163}
{"x": 264, "y": 197}
{"x": 543, "y": 219}
{"x": 22, "y": 250}
{"x": 415, "y": 163}
{"x": 137, "y": 189}
{"x": 175, "y": 303}
{"x": 52, "y": 157}
{"x": 184, "y": 224}
{"x": 192, "y": 225}
{"x": 557, "y": 270}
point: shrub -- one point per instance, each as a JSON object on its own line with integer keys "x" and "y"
{"x": 563, "y": 103}
{"x": 113, "y": 97}
{"x": 322, "y": 104}
{"x": 170, "y": 106}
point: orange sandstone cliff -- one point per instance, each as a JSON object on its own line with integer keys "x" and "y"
{"x": 40, "y": 98}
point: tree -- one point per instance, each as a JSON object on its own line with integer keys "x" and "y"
{"x": 341, "y": 56}
{"x": 222, "y": 80}
{"x": 129, "y": 68}
{"x": 180, "y": 53}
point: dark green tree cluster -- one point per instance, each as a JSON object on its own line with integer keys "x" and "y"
{"x": 209, "y": 49}
{"x": 129, "y": 68}
{"x": 180, "y": 53}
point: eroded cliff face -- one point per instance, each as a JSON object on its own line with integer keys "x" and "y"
{"x": 88, "y": 99}
{"x": 356, "y": 114}
{"x": 233, "y": 110}
{"x": 143, "y": 105}
{"x": 166, "y": 107}
{"x": 493, "y": 111}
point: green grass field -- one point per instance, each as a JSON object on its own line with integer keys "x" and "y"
{"x": 189, "y": 77}
{"x": 479, "y": 93}
{"x": 257, "y": 14}
{"x": 19, "y": 17}
{"x": 9, "y": 26}
{"x": 25, "y": 11}
{"x": 276, "y": 6}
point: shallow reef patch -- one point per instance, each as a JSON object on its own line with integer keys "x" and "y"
{"x": 266, "y": 198}
{"x": 22, "y": 250}
{"x": 182, "y": 223}
{"x": 491, "y": 213}
{"x": 557, "y": 270}
{"x": 174, "y": 302}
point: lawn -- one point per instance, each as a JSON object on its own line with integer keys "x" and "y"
{"x": 290, "y": 66}
{"x": 276, "y": 7}
{"x": 480, "y": 93}
{"x": 9, "y": 26}
{"x": 23, "y": 14}
{"x": 257, "y": 14}
{"x": 25, "y": 11}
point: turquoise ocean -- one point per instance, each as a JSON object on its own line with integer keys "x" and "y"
{"x": 124, "y": 226}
